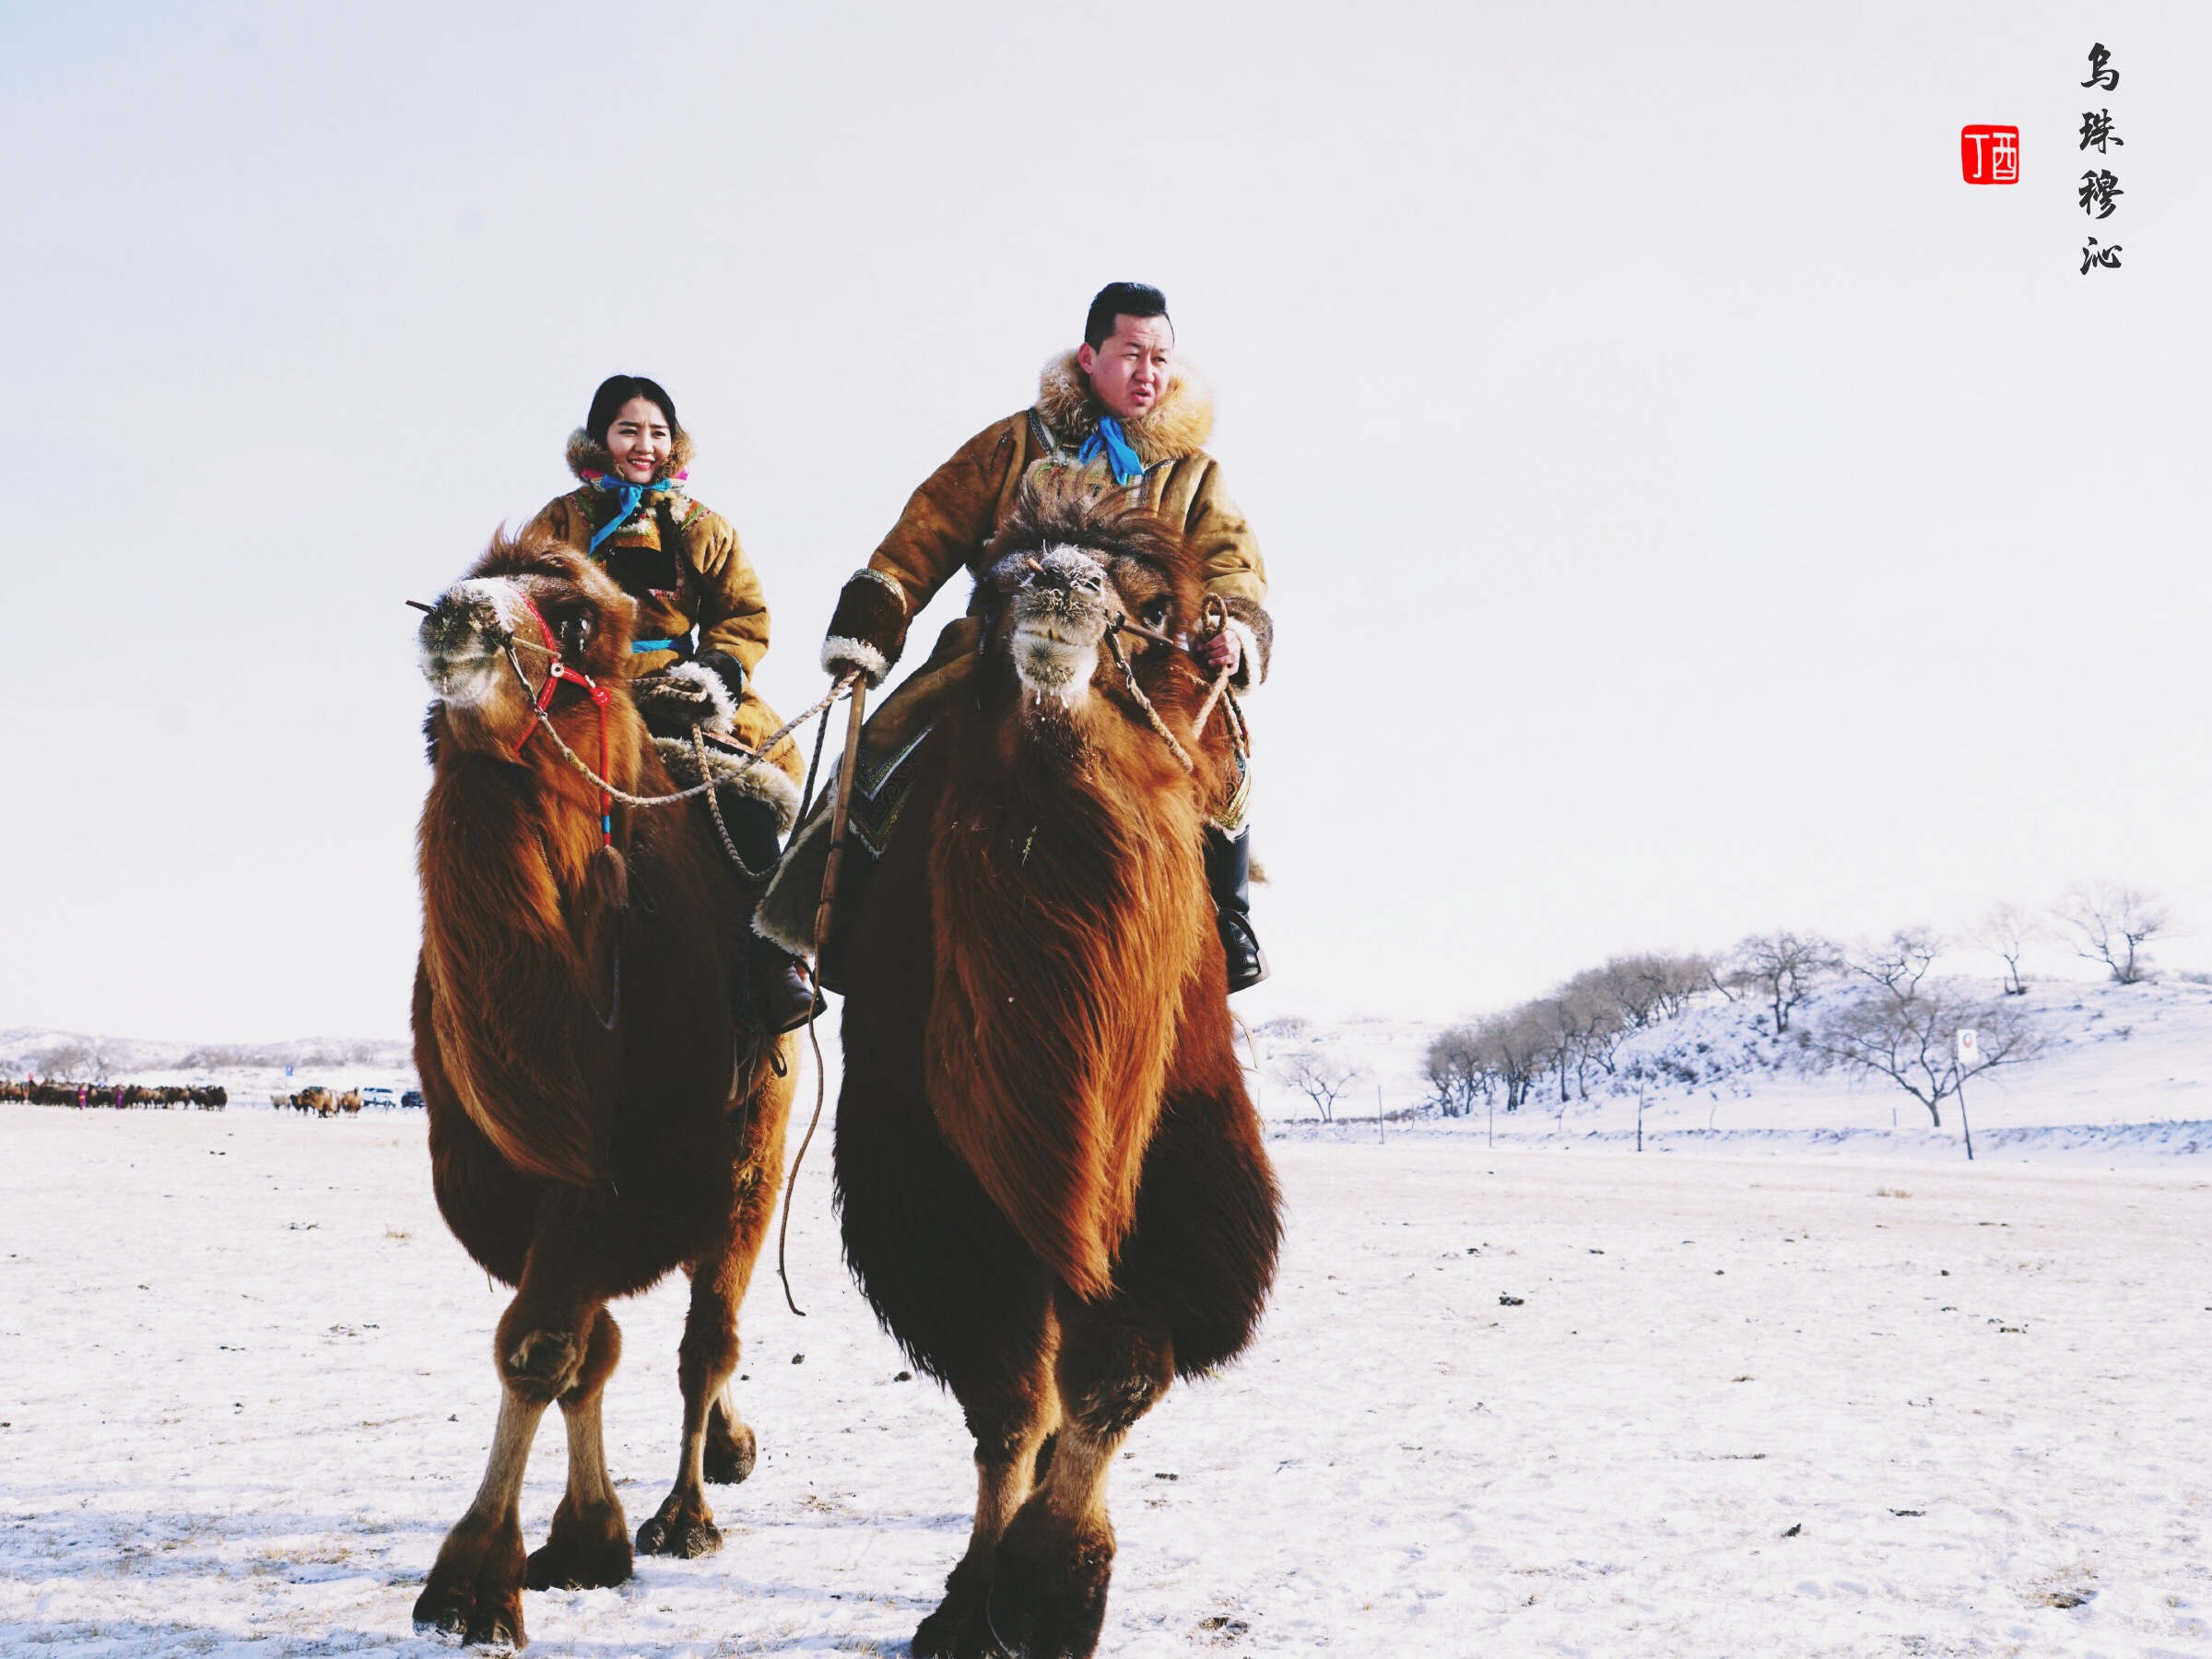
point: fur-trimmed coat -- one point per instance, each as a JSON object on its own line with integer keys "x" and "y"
{"x": 962, "y": 505}
{"x": 685, "y": 566}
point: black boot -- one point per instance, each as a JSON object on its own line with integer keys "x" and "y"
{"x": 781, "y": 996}
{"x": 1228, "y": 875}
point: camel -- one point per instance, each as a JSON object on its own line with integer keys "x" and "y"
{"x": 1050, "y": 1178}
{"x": 600, "y": 1113}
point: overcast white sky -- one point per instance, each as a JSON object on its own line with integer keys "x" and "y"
{"x": 1691, "y": 507}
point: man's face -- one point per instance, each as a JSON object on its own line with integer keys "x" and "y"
{"x": 1130, "y": 372}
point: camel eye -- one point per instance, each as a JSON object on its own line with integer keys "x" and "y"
{"x": 575, "y": 635}
{"x": 1156, "y": 612}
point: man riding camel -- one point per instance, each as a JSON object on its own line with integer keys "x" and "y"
{"x": 1122, "y": 408}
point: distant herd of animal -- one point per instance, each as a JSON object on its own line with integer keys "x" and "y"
{"x": 55, "y": 1093}
{"x": 316, "y": 1099}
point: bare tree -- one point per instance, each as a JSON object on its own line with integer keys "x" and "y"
{"x": 2111, "y": 923}
{"x": 1549, "y": 1015}
{"x": 1513, "y": 1046}
{"x": 1910, "y": 1038}
{"x": 1321, "y": 1078}
{"x": 1458, "y": 1076}
{"x": 2008, "y": 930}
{"x": 1588, "y": 1023}
{"x": 1899, "y": 962}
{"x": 1645, "y": 989}
{"x": 85, "y": 1058}
{"x": 1672, "y": 980}
{"x": 1783, "y": 968}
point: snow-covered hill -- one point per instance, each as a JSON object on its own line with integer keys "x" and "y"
{"x": 2128, "y": 1073}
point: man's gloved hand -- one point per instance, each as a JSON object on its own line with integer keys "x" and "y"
{"x": 684, "y": 695}
{"x": 867, "y": 631}
{"x": 1222, "y": 651}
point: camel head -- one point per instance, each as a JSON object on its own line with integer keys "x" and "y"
{"x": 1066, "y": 567}
{"x": 466, "y": 638}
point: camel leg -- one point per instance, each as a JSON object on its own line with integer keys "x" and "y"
{"x": 474, "y": 1591}
{"x": 683, "y": 1524}
{"x": 1012, "y": 1424}
{"x": 731, "y": 1446}
{"x": 716, "y": 1443}
{"x": 1051, "y": 1569}
{"x": 589, "y": 1545}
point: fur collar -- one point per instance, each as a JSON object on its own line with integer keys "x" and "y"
{"x": 1178, "y": 425}
{"x": 586, "y": 453}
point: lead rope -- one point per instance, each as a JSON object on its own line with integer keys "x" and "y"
{"x": 746, "y": 758}
{"x": 729, "y": 847}
{"x": 555, "y": 672}
{"x": 1121, "y": 657}
{"x": 814, "y": 984}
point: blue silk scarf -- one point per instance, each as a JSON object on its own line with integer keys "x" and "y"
{"x": 1121, "y": 455}
{"x": 633, "y": 497}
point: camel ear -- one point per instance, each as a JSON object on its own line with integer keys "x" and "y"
{"x": 599, "y": 930}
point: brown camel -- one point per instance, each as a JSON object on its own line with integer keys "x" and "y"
{"x": 599, "y": 1114}
{"x": 1051, "y": 1177}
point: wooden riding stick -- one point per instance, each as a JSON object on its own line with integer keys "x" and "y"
{"x": 839, "y": 811}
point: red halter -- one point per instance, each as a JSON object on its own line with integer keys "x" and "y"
{"x": 599, "y": 695}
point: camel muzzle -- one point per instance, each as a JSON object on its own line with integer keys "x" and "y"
{"x": 1061, "y": 610}
{"x": 464, "y": 640}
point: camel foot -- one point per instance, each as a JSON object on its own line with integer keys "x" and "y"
{"x": 731, "y": 1448}
{"x": 961, "y": 1628}
{"x": 541, "y": 1365}
{"x": 1048, "y": 1585}
{"x": 588, "y": 1549}
{"x": 683, "y": 1526}
{"x": 474, "y": 1591}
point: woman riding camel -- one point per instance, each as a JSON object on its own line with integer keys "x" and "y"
{"x": 682, "y": 564}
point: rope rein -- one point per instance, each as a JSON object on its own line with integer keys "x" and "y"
{"x": 1121, "y": 658}
{"x": 1216, "y": 619}
{"x": 729, "y": 847}
{"x": 814, "y": 984}
{"x": 749, "y": 756}
{"x": 821, "y": 1092}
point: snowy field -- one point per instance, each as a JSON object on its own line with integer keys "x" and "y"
{"x": 1776, "y": 1404}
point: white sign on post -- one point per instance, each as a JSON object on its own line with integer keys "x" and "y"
{"x": 1970, "y": 1046}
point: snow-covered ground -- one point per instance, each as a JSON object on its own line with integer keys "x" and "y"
{"x": 1782, "y": 1405}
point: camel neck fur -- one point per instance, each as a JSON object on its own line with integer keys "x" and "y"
{"x": 518, "y": 891}
{"x": 1070, "y": 911}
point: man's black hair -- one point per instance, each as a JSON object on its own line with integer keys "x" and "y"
{"x": 1121, "y": 300}
{"x": 616, "y": 391}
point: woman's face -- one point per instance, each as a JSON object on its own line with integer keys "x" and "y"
{"x": 639, "y": 440}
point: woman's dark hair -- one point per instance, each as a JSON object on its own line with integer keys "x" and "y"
{"x": 1117, "y": 299}
{"x": 616, "y": 390}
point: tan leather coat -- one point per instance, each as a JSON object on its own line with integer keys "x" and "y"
{"x": 686, "y": 567}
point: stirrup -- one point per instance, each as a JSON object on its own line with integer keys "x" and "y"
{"x": 1246, "y": 962}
